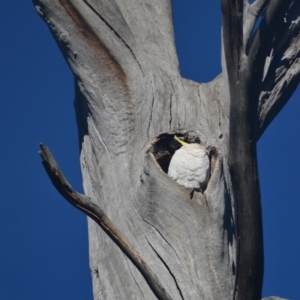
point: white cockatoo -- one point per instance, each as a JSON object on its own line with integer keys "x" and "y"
{"x": 190, "y": 166}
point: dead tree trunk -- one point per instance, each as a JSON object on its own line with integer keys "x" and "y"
{"x": 131, "y": 100}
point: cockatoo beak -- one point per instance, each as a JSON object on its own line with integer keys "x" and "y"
{"x": 180, "y": 141}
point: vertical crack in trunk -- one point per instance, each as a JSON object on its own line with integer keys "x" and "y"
{"x": 170, "y": 108}
{"x": 150, "y": 119}
{"x": 125, "y": 258}
{"x": 167, "y": 267}
{"x": 115, "y": 32}
{"x": 163, "y": 238}
{"x": 96, "y": 44}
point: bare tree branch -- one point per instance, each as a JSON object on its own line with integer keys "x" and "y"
{"x": 253, "y": 13}
{"x": 242, "y": 157}
{"x": 92, "y": 210}
{"x": 282, "y": 74}
{"x": 262, "y": 43}
{"x": 257, "y": 7}
{"x": 232, "y": 12}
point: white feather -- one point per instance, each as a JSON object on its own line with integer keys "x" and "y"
{"x": 190, "y": 167}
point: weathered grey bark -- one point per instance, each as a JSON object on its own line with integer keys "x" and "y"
{"x": 131, "y": 99}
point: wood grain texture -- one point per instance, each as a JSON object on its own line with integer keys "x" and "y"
{"x": 87, "y": 206}
{"x": 130, "y": 101}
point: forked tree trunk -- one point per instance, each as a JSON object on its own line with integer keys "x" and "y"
{"x": 131, "y": 100}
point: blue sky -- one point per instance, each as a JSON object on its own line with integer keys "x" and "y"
{"x": 44, "y": 247}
